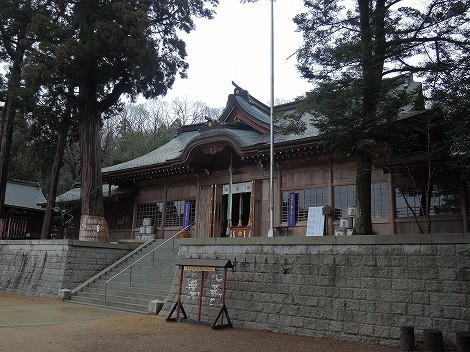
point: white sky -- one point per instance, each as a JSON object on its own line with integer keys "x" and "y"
{"x": 235, "y": 46}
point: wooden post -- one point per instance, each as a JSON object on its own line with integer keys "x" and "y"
{"x": 212, "y": 213}
{"x": 240, "y": 210}
{"x": 224, "y": 284}
{"x": 433, "y": 340}
{"x": 407, "y": 338}
{"x": 331, "y": 218}
{"x": 463, "y": 341}
{"x": 201, "y": 290}
{"x": 179, "y": 292}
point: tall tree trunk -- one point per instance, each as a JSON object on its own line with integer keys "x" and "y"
{"x": 372, "y": 61}
{"x": 363, "y": 219}
{"x": 59, "y": 155}
{"x": 93, "y": 226}
{"x": 8, "y": 118}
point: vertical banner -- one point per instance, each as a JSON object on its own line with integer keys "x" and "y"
{"x": 292, "y": 210}
{"x": 187, "y": 213}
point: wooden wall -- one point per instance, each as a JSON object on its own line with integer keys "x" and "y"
{"x": 290, "y": 175}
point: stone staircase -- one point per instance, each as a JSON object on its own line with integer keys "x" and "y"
{"x": 142, "y": 289}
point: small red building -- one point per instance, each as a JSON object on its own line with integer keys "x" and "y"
{"x": 23, "y": 216}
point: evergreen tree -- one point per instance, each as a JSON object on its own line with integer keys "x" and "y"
{"x": 451, "y": 98}
{"x": 110, "y": 48}
{"x": 348, "y": 52}
{"x": 16, "y": 38}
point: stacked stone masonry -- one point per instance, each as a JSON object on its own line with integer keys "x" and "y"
{"x": 362, "y": 288}
{"x": 93, "y": 228}
{"x": 42, "y": 268}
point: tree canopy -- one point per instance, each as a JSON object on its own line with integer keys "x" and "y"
{"x": 353, "y": 51}
{"x": 106, "y": 49}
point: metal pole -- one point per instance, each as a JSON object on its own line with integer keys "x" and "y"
{"x": 271, "y": 139}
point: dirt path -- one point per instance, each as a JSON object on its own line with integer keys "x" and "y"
{"x": 124, "y": 332}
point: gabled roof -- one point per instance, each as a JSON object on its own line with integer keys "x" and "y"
{"x": 243, "y": 125}
{"x": 242, "y": 107}
{"x": 26, "y": 195}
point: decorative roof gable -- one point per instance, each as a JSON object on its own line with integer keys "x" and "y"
{"x": 242, "y": 108}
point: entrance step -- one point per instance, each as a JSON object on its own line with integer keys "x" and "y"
{"x": 143, "y": 289}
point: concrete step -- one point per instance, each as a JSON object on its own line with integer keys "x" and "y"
{"x": 152, "y": 278}
{"x": 144, "y": 267}
{"x": 132, "y": 291}
{"x": 161, "y": 291}
{"x": 146, "y": 271}
{"x": 119, "y": 297}
{"x": 111, "y": 304}
{"x": 148, "y": 280}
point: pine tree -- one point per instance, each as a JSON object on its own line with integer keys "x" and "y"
{"x": 349, "y": 52}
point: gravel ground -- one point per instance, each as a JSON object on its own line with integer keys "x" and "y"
{"x": 106, "y": 330}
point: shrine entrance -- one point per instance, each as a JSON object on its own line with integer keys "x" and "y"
{"x": 237, "y": 209}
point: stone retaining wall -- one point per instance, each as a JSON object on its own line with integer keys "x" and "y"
{"x": 42, "y": 268}
{"x": 360, "y": 288}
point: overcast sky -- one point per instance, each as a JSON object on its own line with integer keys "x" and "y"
{"x": 235, "y": 46}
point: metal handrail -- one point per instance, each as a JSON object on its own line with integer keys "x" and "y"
{"x": 138, "y": 260}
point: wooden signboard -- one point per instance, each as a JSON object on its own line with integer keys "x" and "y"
{"x": 202, "y": 265}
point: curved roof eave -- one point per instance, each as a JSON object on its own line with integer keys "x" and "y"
{"x": 155, "y": 158}
{"x": 255, "y": 114}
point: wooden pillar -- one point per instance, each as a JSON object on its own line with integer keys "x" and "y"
{"x": 277, "y": 197}
{"x": 201, "y": 291}
{"x": 407, "y": 338}
{"x": 165, "y": 197}
{"x": 212, "y": 216}
{"x": 224, "y": 284}
{"x": 464, "y": 205}
{"x": 240, "y": 209}
{"x": 134, "y": 216}
{"x": 463, "y": 341}
{"x": 331, "y": 217}
{"x": 392, "y": 205}
{"x": 178, "y": 302}
{"x": 433, "y": 340}
{"x": 197, "y": 209}
{"x": 251, "y": 218}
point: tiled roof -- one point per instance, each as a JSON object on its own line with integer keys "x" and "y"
{"x": 171, "y": 150}
{"x": 252, "y": 111}
{"x": 23, "y": 195}
{"x": 74, "y": 194}
{"x": 244, "y": 137}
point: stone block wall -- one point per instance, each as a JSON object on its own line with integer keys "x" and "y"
{"x": 86, "y": 259}
{"x": 360, "y": 288}
{"x": 42, "y": 268}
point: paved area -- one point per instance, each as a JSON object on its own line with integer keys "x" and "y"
{"x": 37, "y": 324}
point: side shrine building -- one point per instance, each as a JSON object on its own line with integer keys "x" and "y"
{"x": 214, "y": 176}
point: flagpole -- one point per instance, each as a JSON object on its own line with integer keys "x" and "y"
{"x": 271, "y": 139}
